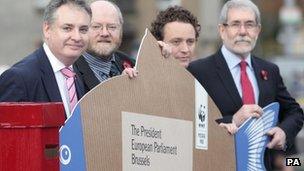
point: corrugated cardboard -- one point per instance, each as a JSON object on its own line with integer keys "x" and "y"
{"x": 163, "y": 88}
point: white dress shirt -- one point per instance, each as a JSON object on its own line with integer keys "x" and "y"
{"x": 61, "y": 81}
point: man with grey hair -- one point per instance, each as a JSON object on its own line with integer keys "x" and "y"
{"x": 47, "y": 74}
{"x": 102, "y": 59}
{"x": 241, "y": 84}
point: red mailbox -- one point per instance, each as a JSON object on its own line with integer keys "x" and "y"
{"x": 29, "y": 136}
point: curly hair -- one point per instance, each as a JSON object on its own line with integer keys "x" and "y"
{"x": 171, "y": 14}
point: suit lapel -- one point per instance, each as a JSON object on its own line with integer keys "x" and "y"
{"x": 261, "y": 83}
{"x": 79, "y": 87}
{"x": 48, "y": 77}
{"x": 120, "y": 58}
{"x": 119, "y": 62}
{"x": 227, "y": 80}
{"x": 83, "y": 70}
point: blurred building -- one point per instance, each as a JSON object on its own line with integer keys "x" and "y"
{"x": 21, "y": 25}
{"x": 206, "y": 11}
{"x": 21, "y": 31}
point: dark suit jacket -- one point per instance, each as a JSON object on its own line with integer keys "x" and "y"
{"x": 32, "y": 80}
{"x": 84, "y": 71}
{"x": 214, "y": 75}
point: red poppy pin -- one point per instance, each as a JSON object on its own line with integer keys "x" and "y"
{"x": 264, "y": 75}
{"x": 126, "y": 64}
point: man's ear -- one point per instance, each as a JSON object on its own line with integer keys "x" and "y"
{"x": 46, "y": 29}
{"x": 221, "y": 29}
{"x": 259, "y": 29}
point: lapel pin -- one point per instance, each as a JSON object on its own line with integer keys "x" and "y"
{"x": 126, "y": 64}
{"x": 264, "y": 75}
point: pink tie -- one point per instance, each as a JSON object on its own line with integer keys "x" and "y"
{"x": 70, "y": 82}
{"x": 247, "y": 90}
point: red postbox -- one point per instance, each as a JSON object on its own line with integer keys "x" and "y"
{"x": 29, "y": 136}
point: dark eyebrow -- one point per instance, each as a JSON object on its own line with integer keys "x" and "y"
{"x": 67, "y": 24}
{"x": 238, "y": 21}
{"x": 176, "y": 38}
{"x": 84, "y": 26}
{"x": 250, "y": 21}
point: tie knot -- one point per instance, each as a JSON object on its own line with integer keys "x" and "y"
{"x": 243, "y": 65}
{"x": 68, "y": 72}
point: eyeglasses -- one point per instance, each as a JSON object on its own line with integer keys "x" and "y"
{"x": 109, "y": 27}
{"x": 237, "y": 25}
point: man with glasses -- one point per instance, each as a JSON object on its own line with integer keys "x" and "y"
{"x": 241, "y": 84}
{"x": 102, "y": 60}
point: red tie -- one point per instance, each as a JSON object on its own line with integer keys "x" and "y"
{"x": 247, "y": 90}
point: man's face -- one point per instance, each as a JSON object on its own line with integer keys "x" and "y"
{"x": 241, "y": 31}
{"x": 105, "y": 32}
{"x": 67, "y": 36}
{"x": 181, "y": 37}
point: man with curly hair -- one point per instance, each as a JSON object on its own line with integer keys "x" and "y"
{"x": 178, "y": 28}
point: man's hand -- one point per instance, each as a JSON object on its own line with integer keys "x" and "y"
{"x": 246, "y": 112}
{"x": 131, "y": 72}
{"x": 166, "y": 49}
{"x": 230, "y": 127}
{"x": 278, "y": 138}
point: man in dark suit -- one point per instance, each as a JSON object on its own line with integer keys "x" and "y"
{"x": 102, "y": 60}
{"x": 241, "y": 84}
{"x": 47, "y": 75}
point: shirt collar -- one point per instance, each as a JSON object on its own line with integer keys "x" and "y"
{"x": 99, "y": 64}
{"x": 112, "y": 59}
{"x": 233, "y": 60}
{"x": 55, "y": 63}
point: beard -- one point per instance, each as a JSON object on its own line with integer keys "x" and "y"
{"x": 103, "y": 49}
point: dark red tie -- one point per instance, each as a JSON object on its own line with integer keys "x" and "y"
{"x": 247, "y": 90}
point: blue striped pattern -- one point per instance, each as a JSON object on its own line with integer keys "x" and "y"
{"x": 99, "y": 66}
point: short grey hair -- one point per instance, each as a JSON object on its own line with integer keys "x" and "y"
{"x": 53, "y": 5}
{"x": 239, "y": 4}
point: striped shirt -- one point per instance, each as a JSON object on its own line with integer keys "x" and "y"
{"x": 102, "y": 68}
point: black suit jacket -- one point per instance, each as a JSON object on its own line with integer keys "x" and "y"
{"x": 32, "y": 80}
{"x": 214, "y": 75}
{"x": 86, "y": 74}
